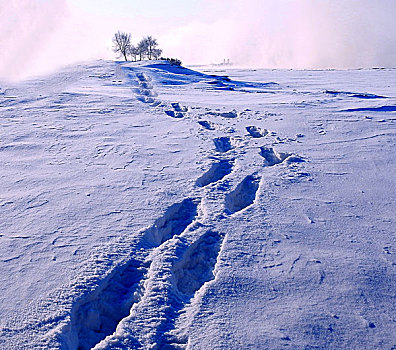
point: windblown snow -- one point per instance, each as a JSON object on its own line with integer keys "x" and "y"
{"x": 148, "y": 206}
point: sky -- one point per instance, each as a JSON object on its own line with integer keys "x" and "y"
{"x": 39, "y": 36}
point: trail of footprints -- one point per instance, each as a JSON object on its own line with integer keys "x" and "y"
{"x": 119, "y": 296}
{"x": 146, "y": 94}
{"x": 98, "y": 315}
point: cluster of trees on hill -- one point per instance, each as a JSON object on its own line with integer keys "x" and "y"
{"x": 146, "y": 48}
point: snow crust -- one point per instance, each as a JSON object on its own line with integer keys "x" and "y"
{"x": 148, "y": 206}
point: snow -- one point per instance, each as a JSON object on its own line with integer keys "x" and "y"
{"x": 146, "y": 206}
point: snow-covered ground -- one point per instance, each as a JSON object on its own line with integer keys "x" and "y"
{"x": 148, "y": 206}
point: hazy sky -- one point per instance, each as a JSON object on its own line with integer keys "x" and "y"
{"x": 37, "y": 36}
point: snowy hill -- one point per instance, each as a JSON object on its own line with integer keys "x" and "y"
{"x": 148, "y": 206}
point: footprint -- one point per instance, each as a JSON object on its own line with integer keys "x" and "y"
{"x": 222, "y": 144}
{"x": 178, "y": 110}
{"x": 272, "y": 157}
{"x": 155, "y": 103}
{"x": 216, "y": 172}
{"x": 145, "y": 85}
{"x": 98, "y": 315}
{"x": 231, "y": 114}
{"x": 173, "y": 222}
{"x": 142, "y": 77}
{"x": 178, "y": 107}
{"x": 256, "y": 132}
{"x": 146, "y": 92}
{"x": 195, "y": 268}
{"x": 206, "y": 124}
{"x": 146, "y": 99}
{"x": 174, "y": 114}
{"x": 243, "y": 195}
{"x": 197, "y": 265}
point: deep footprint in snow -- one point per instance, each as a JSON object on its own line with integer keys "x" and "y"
{"x": 206, "y": 124}
{"x": 145, "y": 85}
{"x": 231, "y": 114}
{"x": 174, "y": 114}
{"x": 146, "y": 99}
{"x": 178, "y": 110}
{"x": 272, "y": 157}
{"x": 216, "y": 172}
{"x": 98, "y": 314}
{"x": 222, "y": 144}
{"x": 256, "y": 132}
{"x": 178, "y": 107}
{"x": 197, "y": 265}
{"x": 173, "y": 222}
{"x": 243, "y": 195}
{"x": 142, "y": 77}
{"x": 195, "y": 268}
{"x": 146, "y": 92}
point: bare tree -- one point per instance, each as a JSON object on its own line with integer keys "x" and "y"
{"x": 142, "y": 49}
{"x": 156, "y": 53}
{"x": 122, "y": 43}
{"x": 151, "y": 44}
{"x": 147, "y": 47}
{"x": 133, "y": 52}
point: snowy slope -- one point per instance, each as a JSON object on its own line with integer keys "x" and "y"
{"x": 149, "y": 206}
